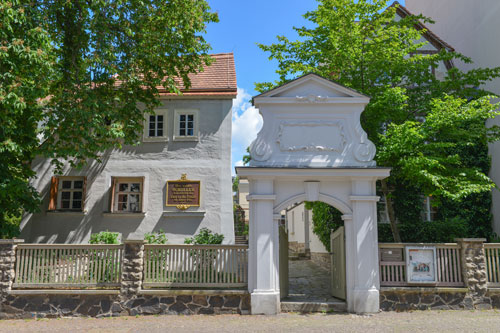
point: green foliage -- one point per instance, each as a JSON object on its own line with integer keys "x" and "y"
{"x": 247, "y": 157}
{"x": 236, "y": 182}
{"x": 73, "y": 75}
{"x": 156, "y": 237}
{"x": 427, "y": 232}
{"x": 105, "y": 237}
{"x": 26, "y": 65}
{"x": 325, "y": 219}
{"x": 205, "y": 236}
{"x": 9, "y": 225}
{"x": 424, "y": 154}
{"x": 359, "y": 44}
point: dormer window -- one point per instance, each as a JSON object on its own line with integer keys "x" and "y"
{"x": 155, "y": 127}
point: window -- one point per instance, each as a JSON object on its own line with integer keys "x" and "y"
{"x": 186, "y": 125}
{"x": 382, "y": 211}
{"x": 428, "y": 210}
{"x": 155, "y": 127}
{"x": 67, "y": 193}
{"x": 127, "y": 195}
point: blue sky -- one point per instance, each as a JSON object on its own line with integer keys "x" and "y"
{"x": 243, "y": 24}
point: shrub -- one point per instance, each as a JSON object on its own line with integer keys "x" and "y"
{"x": 105, "y": 237}
{"x": 9, "y": 225}
{"x": 427, "y": 232}
{"x": 156, "y": 237}
{"x": 205, "y": 236}
{"x": 325, "y": 218}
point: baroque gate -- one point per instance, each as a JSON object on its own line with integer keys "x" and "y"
{"x": 312, "y": 148}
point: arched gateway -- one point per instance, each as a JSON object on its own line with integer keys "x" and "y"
{"x": 311, "y": 148}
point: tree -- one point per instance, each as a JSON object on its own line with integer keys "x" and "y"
{"x": 78, "y": 77}
{"x": 26, "y": 64}
{"x": 359, "y": 44}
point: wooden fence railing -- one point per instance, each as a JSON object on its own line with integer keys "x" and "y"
{"x": 219, "y": 266}
{"x": 492, "y": 251}
{"x": 393, "y": 264}
{"x": 67, "y": 265}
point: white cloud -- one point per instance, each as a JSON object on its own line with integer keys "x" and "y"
{"x": 247, "y": 122}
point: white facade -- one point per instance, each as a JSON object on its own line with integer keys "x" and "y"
{"x": 300, "y": 229}
{"x": 190, "y": 134}
{"x": 332, "y": 162}
{"x": 472, "y": 27}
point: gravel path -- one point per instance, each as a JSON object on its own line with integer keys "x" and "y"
{"x": 427, "y": 321}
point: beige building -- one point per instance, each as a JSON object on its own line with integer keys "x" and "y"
{"x": 472, "y": 27}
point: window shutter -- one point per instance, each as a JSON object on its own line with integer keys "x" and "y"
{"x": 142, "y": 195}
{"x": 54, "y": 183}
{"x": 84, "y": 192}
{"x": 112, "y": 201}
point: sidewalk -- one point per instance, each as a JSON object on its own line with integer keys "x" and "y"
{"x": 419, "y": 321}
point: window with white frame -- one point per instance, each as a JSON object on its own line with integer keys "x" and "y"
{"x": 127, "y": 195}
{"x": 70, "y": 193}
{"x": 429, "y": 211}
{"x": 155, "y": 126}
{"x": 186, "y": 125}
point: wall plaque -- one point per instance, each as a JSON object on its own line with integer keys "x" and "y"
{"x": 183, "y": 193}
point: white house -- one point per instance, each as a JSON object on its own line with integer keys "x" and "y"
{"x": 187, "y": 142}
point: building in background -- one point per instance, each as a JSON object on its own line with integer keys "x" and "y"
{"x": 177, "y": 180}
{"x": 473, "y": 28}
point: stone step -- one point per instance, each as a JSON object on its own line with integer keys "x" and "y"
{"x": 290, "y": 306}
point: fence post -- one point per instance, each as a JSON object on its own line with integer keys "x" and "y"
{"x": 7, "y": 265}
{"x": 132, "y": 268}
{"x": 473, "y": 261}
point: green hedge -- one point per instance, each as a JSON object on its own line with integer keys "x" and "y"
{"x": 426, "y": 232}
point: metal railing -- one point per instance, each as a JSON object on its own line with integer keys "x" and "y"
{"x": 219, "y": 266}
{"x": 68, "y": 265}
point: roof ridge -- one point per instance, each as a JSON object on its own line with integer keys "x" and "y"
{"x": 430, "y": 34}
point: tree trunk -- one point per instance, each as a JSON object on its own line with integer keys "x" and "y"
{"x": 390, "y": 212}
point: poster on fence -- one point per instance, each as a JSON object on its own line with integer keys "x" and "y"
{"x": 421, "y": 264}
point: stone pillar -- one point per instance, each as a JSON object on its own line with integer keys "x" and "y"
{"x": 132, "y": 268}
{"x": 263, "y": 253}
{"x": 362, "y": 249}
{"x": 7, "y": 265}
{"x": 473, "y": 262}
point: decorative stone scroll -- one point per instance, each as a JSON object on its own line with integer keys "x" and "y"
{"x": 183, "y": 193}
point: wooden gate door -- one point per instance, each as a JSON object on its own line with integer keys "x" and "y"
{"x": 337, "y": 255}
{"x": 283, "y": 253}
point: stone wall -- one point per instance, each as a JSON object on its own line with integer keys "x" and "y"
{"x": 38, "y": 305}
{"x": 414, "y": 298}
{"x": 322, "y": 259}
{"x": 473, "y": 263}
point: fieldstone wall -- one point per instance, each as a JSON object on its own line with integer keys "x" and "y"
{"x": 414, "y": 298}
{"x": 321, "y": 259}
{"x": 473, "y": 263}
{"x": 81, "y": 305}
{"x": 132, "y": 267}
{"x": 7, "y": 266}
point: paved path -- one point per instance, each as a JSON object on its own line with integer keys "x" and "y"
{"x": 308, "y": 282}
{"x": 418, "y": 321}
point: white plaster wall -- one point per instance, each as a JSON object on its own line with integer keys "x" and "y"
{"x": 296, "y": 226}
{"x": 472, "y": 28}
{"x": 315, "y": 245}
{"x": 207, "y": 160}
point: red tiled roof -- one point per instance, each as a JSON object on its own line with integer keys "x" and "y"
{"x": 218, "y": 79}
